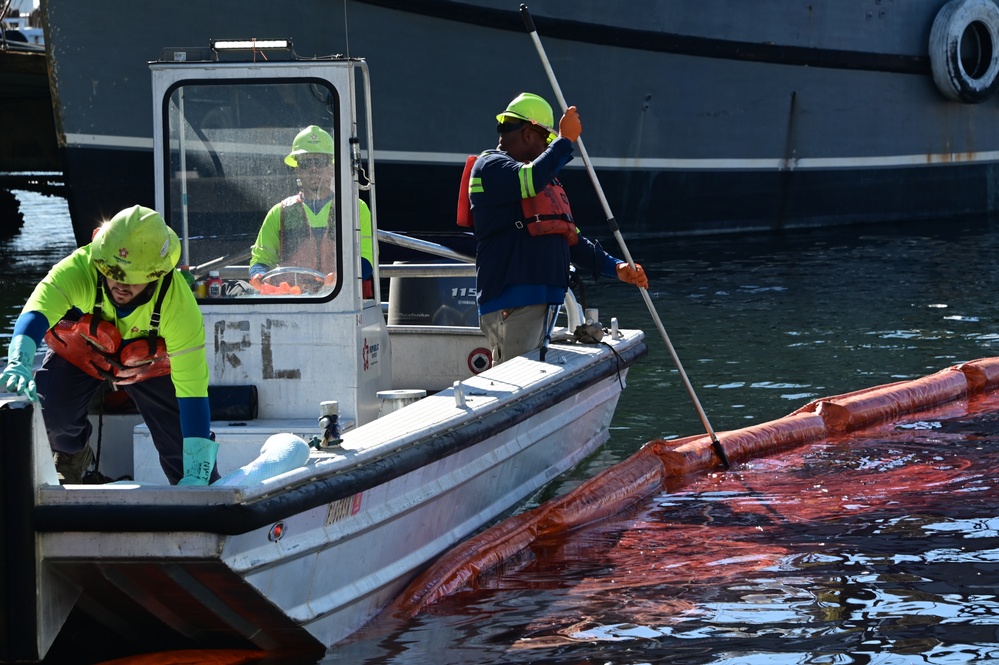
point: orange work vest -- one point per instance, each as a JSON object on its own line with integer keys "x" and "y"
{"x": 547, "y": 213}
{"x": 96, "y": 347}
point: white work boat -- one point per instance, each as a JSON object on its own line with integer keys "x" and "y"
{"x": 301, "y": 545}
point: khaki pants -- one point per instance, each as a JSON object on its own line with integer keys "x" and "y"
{"x": 512, "y": 332}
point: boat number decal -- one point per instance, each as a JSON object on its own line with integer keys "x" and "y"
{"x": 232, "y": 342}
{"x": 267, "y": 353}
{"x": 343, "y": 508}
{"x": 228, "y": 346}
{"x": 369, "y": 355}
{"x": 479, "y": 360}
{"x": 276, "y": 532}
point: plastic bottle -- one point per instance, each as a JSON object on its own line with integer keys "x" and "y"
{"x": 214, "y": 284}
{"x": 185, "y": 271}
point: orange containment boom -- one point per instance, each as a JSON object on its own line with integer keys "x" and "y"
{"x": 645, "y": 472}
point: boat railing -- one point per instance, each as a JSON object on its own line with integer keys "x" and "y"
{"x": 426, "y": 246}
{"x": 427, "y": 270}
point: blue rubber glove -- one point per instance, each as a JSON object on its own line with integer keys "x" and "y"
{"x": 199, "y": 460}
{"x": 17, "y": 376}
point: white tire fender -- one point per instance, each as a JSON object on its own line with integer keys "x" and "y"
{"x": 964, "y": 50}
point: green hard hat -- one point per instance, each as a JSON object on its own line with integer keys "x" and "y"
{"x": 530, "y": 108}
{"x": 312, "y": 139}
{"x": 135, "y": 247}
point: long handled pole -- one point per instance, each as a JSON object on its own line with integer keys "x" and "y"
{"x": 719, "y": 450}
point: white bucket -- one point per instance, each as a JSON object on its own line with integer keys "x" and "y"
{"x": 393, "y": 400}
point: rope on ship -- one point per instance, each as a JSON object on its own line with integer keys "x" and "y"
{"x": 645, "y": 472}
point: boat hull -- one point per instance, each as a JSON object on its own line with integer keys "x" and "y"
{"x": 306, "y": 561}
{"x": 787, "y": 114}
{"x": 28, "y": 142}
{"x": 648, "y": 202}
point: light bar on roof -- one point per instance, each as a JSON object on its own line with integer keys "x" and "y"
{"x": 250, "y": 44}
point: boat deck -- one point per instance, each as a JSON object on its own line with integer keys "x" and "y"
{"x": 493, "y": 401}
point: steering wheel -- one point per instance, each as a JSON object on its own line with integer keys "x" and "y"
{"x": 307, "y": 279}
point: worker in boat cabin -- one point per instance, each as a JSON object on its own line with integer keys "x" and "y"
{"x": 524, "y": 228}
{"x": 300, "y": 231}
{"x": 116, "y": 311}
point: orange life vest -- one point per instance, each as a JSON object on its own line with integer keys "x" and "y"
{"x": 547, "y": 213}
{"x": 96, "y": 347}
{"x": 464, "y": 204}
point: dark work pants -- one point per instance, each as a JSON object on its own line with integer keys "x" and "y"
{"x": 65, "y": 393}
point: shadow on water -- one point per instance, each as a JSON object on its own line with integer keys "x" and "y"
{"x": 875, "y": 551}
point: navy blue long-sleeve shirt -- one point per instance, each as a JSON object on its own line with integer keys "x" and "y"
{"x": 514, "y": 268}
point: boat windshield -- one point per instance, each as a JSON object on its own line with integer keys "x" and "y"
{"x": 253, "y": 185}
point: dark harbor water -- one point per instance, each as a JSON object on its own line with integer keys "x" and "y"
{"x": 800, "y": 558}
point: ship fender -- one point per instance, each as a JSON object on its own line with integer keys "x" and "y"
{"x": 964, "y": 50}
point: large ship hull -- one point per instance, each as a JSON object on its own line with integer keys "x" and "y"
{"x": 699, "y": 117}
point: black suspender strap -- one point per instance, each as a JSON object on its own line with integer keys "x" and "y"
{"x": 154, "y": 319}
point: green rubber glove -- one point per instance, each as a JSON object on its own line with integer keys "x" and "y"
{"x": 199, "y": 460}
{"x": 17, "y": 377}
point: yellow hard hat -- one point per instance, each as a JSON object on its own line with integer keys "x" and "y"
{"x": 135, "y": 247}
{"x": 312, "y": 139}
{"x": 530, "y": 108}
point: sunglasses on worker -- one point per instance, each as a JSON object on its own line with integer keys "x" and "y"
{"x": 313, "y": 163}
{"x": 510, "y": 125}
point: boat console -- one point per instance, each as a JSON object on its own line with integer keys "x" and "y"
{"x": 224, "y": 122}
